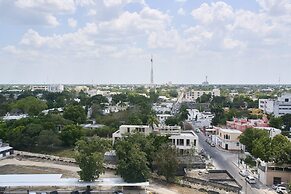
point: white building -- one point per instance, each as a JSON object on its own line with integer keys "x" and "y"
{"x": 279, "y": 107}
{"x": 5, "y": 149}
{"x": 166, "y": 129}
{"x": 49, "y": 88}
{"x": 184, "y": 141}
{"x": 163, "y": 107}
{"x": 271, "y": 130}
{"x": 163, "y": 117}
{"x": 228, "y": 139}
{"x": 192, "y": 95}
{"x": 282, "y": 106}
{"x": 267, "y": 105}
{"x": 200, "y": 119}
{"x": 127, "y": 129}
{"x": 8, "y": 117}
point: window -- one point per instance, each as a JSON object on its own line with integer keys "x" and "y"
{"x": 128, "y": 130}
{"x": 180, "y": 142}
{"x": 174, "y": 141}
{"x": 188, "y": 142}
{"x": 237, "y": 144}
{"x": 286, "y": 100}
{"x": 194, "y": 142}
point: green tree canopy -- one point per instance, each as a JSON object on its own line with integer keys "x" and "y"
{"x": 29, "y": 105}
{"x": 71, "y": 134}
{"x": 75, "y": 113}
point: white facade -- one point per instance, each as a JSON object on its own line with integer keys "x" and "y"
{"x": 49, "y": 88}
{"x": 279, "y": 107}
{"x": 192, "y": 95}
{"x": 228, "y": 139}
{"x": 5, "y": 149}
{"x": 267, "y": 105}
{"x": 8, "y": 117}
{"x": 163, "y": 107}
{"x": 271, "y": 130}
{"x": 184, "y": 141}
{"x": 166, "y": 129}
{"x": 125, "y": 129}
{"x": 283, "y": 105}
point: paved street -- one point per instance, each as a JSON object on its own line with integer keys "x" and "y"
{"x": 225, "y": 160}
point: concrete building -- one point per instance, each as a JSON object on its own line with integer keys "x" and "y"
{"x": 127, "y": 129}
{"x": 228, "y": 139}
{"x": 184, "y": 141}
{"x": 49, "y": 88}
{"x": 166, "y": 129}
{"x": 5, "y": 149}
{"x": 271, "y": 130}
{"x": 192, "y": 95}
{"x": 9, "y": 117}
{"x": 269, "y": 173}
{"x": 243, "y": 124}
{"x": 267, "y": 105}
{"x": 278, "y": 107}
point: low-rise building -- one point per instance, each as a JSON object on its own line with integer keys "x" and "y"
{"x": 9, "y": 117}
{"x": 243, "y": 124}
{"x": 279, "y": 107}
{"x": 271, "y": 130}
{"x": 228, "y": 139}
{"x": 192, "y": 95}
{"x": 184, "y": 141}
{"x": 128, "y": 129}
{"x": 166, "y": 129}
{"x": 270, "y": 173}
{"x": 5, "y": 149}
{"x": 49, "y": 88}
{"x": 163, "y": 117}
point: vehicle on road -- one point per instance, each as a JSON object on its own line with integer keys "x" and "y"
{"x": 117, "y": 192}
{"x": 243, "y": 173}
{"x": 251, "y": 179}
{"x": 281, "y": 190}
{"x": 212, "y": 144}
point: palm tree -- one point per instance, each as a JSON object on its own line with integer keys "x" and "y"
{"x": 153, "y": 121}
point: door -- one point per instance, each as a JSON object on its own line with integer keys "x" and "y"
{"x": 226, "y": 146}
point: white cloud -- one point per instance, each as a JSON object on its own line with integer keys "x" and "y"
{"x": 112, "y": 3}
{"x": 181, "y": 11}
{"x": 229, "y": 43}
{"x": 92, "y": 12}
{"x": 47, "y": 5}
{"x": 52, "y": 20}
{"x": 72, "y": 22}
{"x": 218, "y": 11}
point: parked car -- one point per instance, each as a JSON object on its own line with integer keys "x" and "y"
{"x": 275, "y": 186}
{"x": 243, "y": 173}
{"x": 212, "y": 144}
{"x": 251, "y": 179}
{"x": 281, "y": 190}
{"x": 117, "y": 192}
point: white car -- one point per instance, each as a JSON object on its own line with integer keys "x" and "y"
{"x": 251, "y": 180}
{"x": 243, "y": 173}
{"x": 281, "y": 190}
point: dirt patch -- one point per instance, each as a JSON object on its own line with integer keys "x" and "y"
{"x": 15, "y": 169}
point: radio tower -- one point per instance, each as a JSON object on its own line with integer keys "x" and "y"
{"x": 152, "y": 71}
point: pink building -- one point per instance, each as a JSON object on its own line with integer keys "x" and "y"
{"x": 243, "y": 124}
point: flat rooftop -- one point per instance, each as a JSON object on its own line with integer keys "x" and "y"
{"x": 19, "y": 180}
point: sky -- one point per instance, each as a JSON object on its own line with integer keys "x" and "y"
{"x": 111, "y": 41}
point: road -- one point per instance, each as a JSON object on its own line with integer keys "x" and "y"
{"x": 225, "y": 160}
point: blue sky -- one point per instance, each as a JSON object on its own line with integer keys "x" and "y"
{"x": 111, "y": 41}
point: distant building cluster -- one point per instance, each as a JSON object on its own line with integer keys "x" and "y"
{"x": 193, "y": 95}
{"x": 49, "y": 88}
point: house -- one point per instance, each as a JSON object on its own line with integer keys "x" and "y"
{"x": 184, "y": 141}
{"x": 127, "y": 129}
{"x": 243, "y": 124}
{"x": 9, "y": 117}
{"x": 228, "y": 139}
{"x": 5, "y": 149}
{"x": 270, "y": 173}
{"x": 271, "y": 130}
{"x": 166, "y": 129}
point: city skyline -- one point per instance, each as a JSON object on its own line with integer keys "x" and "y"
{"x": 109, "y": 41}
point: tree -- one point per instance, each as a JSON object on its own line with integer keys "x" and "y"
{"x": 173, "y": 93}
{"x": 183, "y": 113}
{"x": 48, "y": 138}
{"x": 281, "y": 149}
{"x": 75, "y": 113}
{"x": 90, "y": 157}
{"x": 249, "y": 136}
{"x": 29, "y": 105}
{"x": 167, "y": 162}
{"x": 132, "y": 163}
{"x": 172, "y": 121}
{"x": 205, "y": 98}
{"x": 276, "y": 122}
{"x": 71, "y": 134}
{"x": 153, "y": 121}
{"x": 262, "y": 148}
